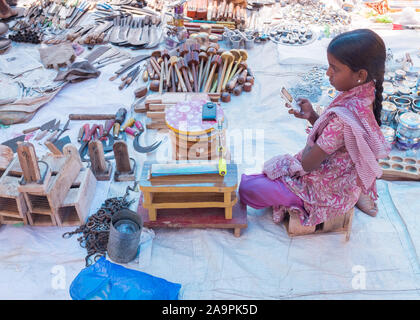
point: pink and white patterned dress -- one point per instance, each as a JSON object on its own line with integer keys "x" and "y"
{"x": 348, "y": 132}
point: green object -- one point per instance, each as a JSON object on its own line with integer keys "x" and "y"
{"x": 4, "y": 126}
{"x": 327, "y": 31}
{"x": 383, "y": 19}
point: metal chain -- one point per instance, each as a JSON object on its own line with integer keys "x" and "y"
{"x": 96, "y": 229}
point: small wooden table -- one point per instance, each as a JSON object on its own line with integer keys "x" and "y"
{"x": 202, "y": 200}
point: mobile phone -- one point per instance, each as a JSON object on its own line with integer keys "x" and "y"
{"x": 209, "y": 111}
{"x": 288, "y": 97}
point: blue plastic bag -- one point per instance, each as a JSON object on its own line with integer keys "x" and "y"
{"x": 105, "y": 280}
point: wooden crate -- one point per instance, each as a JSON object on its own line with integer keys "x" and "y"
{"x": 75, "y": 208}
{"x": 341, "y": 223}
{"x": 13, "y": 208}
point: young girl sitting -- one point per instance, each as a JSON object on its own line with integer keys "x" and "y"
{"x": 338, "y": 166}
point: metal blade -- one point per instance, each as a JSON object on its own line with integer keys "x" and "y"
{"x": 12, "y": 143}
{"x": 147, "y": 149}
{"x": 62, "y": 130}
{"x": 48, "y": 125}
{"x": 62, "y": 142}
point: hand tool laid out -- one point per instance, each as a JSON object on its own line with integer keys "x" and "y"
{"x": 57, "y": 146}
{"x": 12, "y": 143}
{"x": 96, "y": 132}
{"x": 43, "y": 127}
{"x": 119, "y": 119}
{"x": 51, "y": 129}
{"x": 54, "y": 130}
{"x": 131, "y": 76}
{"x": 54, "y": 138}
{"x": 127, "y": 66}
{"x": 78, "y": 116}
{"x": 137, "y": 134}
{"x": 222, "y": 161}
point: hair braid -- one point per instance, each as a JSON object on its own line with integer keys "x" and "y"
{"x": 377, "y": 107}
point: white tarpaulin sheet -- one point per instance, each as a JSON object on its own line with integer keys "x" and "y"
{"x": 379, "y": 262}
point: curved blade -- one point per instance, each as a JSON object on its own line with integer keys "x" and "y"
{"x": 147, "y": 149}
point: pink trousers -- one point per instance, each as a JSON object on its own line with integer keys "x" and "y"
{"x": 258, "y": 192}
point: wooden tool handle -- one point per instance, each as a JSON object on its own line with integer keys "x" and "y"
{"x": 30, "y": 130}
{"x": 51, "y": 137}
{"x": 74, "y": 116}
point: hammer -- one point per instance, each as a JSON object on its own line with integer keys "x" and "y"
{"x": 227, "y": 57}
{"x": 173, "y": 60}
{"x": 236, "y": 56}
{"x": 216, "y": 61}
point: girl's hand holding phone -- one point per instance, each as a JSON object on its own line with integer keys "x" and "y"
{"x": 306, "y": 110}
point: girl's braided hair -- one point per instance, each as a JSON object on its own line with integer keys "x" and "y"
{"x": 363, "y": 49}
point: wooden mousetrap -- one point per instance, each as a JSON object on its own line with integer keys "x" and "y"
{"x": 400, "y": 168}
{"x": 341, "y": 224}
{"x": 189, "y": 194}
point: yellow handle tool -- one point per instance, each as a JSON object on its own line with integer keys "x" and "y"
{"x": 129, "y": 123}
{"x": 222, "y": 163}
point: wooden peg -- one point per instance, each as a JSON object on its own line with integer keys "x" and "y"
{"x": 33, "y": 179}
{"x": 125, "y": 171}
{"x": 28, "y": 162}
{"x": 101, "y": 168}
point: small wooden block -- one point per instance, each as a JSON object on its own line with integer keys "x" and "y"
{"x": 156, "y": 115}
{"x": 197, "y": 218}
{"x": 157, "y": 125}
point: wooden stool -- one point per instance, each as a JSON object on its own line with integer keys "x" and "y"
{"x": 341, "y": 223}
{"x": 191, "y": 201}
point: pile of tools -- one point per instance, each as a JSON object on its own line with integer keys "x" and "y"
{"x": 218, "y": 10}
{"x": 198, "y": 68}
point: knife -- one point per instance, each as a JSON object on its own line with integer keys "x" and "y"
{"x": 45, "y": 126}
{"x": 52, "y": 139}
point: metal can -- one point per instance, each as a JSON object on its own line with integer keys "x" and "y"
{"x": 409, "y": 126}
{"x": 402, "y": 103}
{"x": 416, "y": 105}
{"x": 389, "y": 133}
{"x": 389, "y": 110}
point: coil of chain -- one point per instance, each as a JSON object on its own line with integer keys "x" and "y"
{"x": 95, "y": 232}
